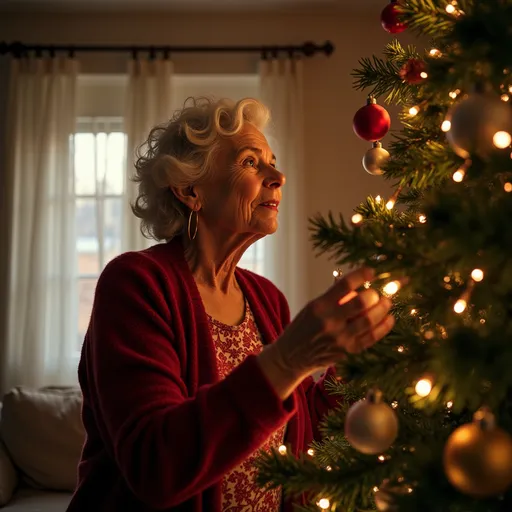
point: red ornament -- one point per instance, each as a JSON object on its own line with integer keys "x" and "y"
{"x": 390, "y": 18}
{"x": 411, "y": 71}
{"x": 372, "y": 121}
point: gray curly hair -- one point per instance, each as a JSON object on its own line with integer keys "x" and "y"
{"x": 180, "y": 153}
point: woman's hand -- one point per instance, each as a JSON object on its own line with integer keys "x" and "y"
{"x": 339, "y": 321}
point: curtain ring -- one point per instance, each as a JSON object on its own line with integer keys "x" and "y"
{"x": 190, "y": 236}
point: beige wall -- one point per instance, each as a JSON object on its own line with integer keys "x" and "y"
{"x": 336, "y": 181}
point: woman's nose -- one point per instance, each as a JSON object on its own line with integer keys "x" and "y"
{"x": 275, "y": 179}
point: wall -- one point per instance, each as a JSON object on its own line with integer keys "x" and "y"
{"x": 333, "y": 153}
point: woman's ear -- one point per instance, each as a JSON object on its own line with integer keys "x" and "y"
{"x": 188, "y": 196}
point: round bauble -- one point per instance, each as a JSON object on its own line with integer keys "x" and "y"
{"x": 474, "y": 123}
{"x": 375, "y": 158}
{"x": 413, "y": 71}
{"x": 478, "y": 458}
{"x": 371, "y": 426}
{"x": 385, "y": 495}
{"x": 372, "y": 121}
{"x": 390, "y": 18}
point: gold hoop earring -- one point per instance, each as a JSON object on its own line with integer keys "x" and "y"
{"x": 190, "y": 236}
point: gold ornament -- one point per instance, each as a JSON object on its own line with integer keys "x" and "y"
{"x": 385, "y": 495}
{"x": 371, "y": 426}
{"x": 478, "y": 124}
{"x": 375, "y": 158}
{"x": 478, "y": 457}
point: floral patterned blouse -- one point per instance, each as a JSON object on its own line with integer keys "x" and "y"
{"x": 239, "y": 491}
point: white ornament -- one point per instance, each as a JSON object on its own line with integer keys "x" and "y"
{"x": 474, "y": 123}
{"x": 375, "y": 158}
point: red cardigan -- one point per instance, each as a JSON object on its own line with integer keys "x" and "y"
{"x": 162, "y": 429}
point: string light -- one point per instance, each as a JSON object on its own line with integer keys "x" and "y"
{"x": 375, "y": 489}
{"x": 505, "y": 97}
{"x": 378, "y": 199}
{"x": 502, "y": 139}
{"x": 477, "y": 275}
{"x": 460, "y": 306}
{"x": 392, "y": 200}
{"x": 507, "y": 187}
{"x": 454, "y": 94}
{"x": 367, "y": 284}
{"x": 400, "y": 349}
{"x": 394, "y": 404}
{"x": 422, "y": 219}
{"x": 413, "y": 312}
{"x": 311, "y": 452}
{"x": 324, "y": 504}
{"x": 328, "y": 468}
{"x": 450, "y": 9}
{"x": 390, "y": 204}
{"x": 449, "y": 404}
{"x": 357, "y": 218}
{"x": 391, "y": 288}
{"x": 413, "y": 111}
{"x": 381, "y": 458}
{"x": 458, "y": 175}
{"x": 434, "y": 52}
{"x": 282, "y": 449}
{"x": 445, "y": 127}
{"x": 336, "y": 273}
{"x": 424, "y": 75}
{"x": 423, "y": 387}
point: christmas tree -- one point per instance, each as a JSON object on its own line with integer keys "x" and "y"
{"x": 425, "y": 416}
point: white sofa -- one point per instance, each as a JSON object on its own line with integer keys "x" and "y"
{"x": 41, "y": 438}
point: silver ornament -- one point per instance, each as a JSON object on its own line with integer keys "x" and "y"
{"x": 475, "y": 121}
{"x": 371, "y": 426}
{"x": 375, "y": 158}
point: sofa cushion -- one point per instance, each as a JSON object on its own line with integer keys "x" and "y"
{"x": 43, "y": 432}
{"x": 8, "y": 476}
{"x": 32, "y": 500}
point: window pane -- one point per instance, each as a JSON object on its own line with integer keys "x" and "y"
{"x": 87, "y": 245}
{"x": 86, "y": 289}
{"x": 85, "y": 179}
{"x": 112, "y": 229}
{"x": 114, "y": 177}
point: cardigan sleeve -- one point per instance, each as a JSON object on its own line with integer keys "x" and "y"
{"x": 319, "y": 400}
{"x": 168, "y": 446}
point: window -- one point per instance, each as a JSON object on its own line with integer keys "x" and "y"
{"x": 99, "y": 156}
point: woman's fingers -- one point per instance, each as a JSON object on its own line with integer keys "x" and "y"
{"x": 372, "y": 336}
{"x": 348, "y": 283}
{"x": 359, "y": 304}
{"x": 369, "y": 318}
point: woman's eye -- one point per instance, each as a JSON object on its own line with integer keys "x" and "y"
{"x": 250, "y": 162}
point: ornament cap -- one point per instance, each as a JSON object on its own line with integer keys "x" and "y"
{"x": 485, "y": 419}
{"x": 377, "y": 144}
{"x": 374, "y": 396}
{"x": 371, "y": 100}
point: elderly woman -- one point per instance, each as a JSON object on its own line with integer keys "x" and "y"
{"x": 190, "y": 364}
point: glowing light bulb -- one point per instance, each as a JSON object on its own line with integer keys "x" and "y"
{"x": 336, "y": 273}
{"x": 449, "y": 404}
{"x": 391, "y": 288}
{"x": 311, "y": 452}
{"x": 328, "y": 468}
{"x": 375, "y": 489}
{"x": 434, "y": 52}
{"x": 357, "y": 218}
{"x": 502, "y": 139}
{"x": 477, "y": 275}
{"x": 413, "y": 111}
{"x": 458, "y": 175}
{"x": 324, "y": 504}
{"x": 450, "y": 9}
{"x": 505, "y": 97}
{"x": 381, "y": 458}
{"x": 367, "y": 284}
{"x": 394, "y": 404}
{"x": 423, "y": 74}
{"x": 282, "y": 449}
{"x": 507, "y": 187}
{"x": 446, "y": 126}
{"x": 460, "y": 306}
{"x": 413, "y": 312}
{"x": 390, "y": 204}
{"x": 423, "y": 387}
{"x": 401, "y": 348}
{"x": 422, "y": 219}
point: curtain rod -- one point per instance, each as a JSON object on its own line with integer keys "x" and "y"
{"x": 308, "y": 49}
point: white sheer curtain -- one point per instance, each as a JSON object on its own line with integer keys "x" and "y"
{"x": 285, "y": 251}
{"x": 41, "y": 323}
{"x": 148, "y": 104}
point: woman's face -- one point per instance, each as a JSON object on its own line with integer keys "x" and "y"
{"x": 243, "y": 192}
